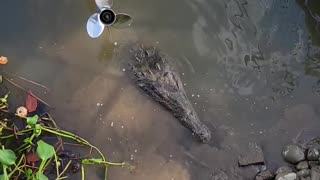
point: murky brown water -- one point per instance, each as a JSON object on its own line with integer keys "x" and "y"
{"x": 250, "y": 67}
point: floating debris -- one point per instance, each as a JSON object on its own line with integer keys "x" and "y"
{"x": 3, "y": 60}
{"x": 31, "y": 102}
{"x": 22, "y": 111}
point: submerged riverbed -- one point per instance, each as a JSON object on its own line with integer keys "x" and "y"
{"x": 250, "y": 68}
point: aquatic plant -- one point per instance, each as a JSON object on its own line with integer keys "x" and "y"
{"x": 27, "y": 153}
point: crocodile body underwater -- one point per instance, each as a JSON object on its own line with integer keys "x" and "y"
{"x": 156, "y": 76}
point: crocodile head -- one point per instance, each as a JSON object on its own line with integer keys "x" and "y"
{"x": 203, "y": 135}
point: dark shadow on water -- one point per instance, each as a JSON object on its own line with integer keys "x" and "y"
{"x": 312, "y": 12}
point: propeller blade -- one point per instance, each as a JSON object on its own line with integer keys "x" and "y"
{"x": 122, "y": 21}
{"x": 104, "y": 3}
{"x": 94, "y": 26}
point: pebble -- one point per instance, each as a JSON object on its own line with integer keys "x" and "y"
{"x": 293, "y": 154}
{"x": 286, "y": 176}
{"x": 283, "y": 169}
{"x": 307, "y": 178}
{"x": 304, "y": 173}
{"x": 265, "y": 175}
{"x": 302, "y": 165}
{"x": 111, "y": 124}
{"x": 315, "y": 174}
{"x": 313, "y": 163}
{"x": 313, "y": 154}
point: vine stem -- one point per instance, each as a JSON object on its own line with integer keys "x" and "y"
{"x": 82, "y": 172}
{"x": 57, "y": 167}
{"x": 64, "y": 170}
{"x": 16, "y": 166}
{"x": 82, "y": 141}
{"x": 19, "y": 134}
{"x": 73, "y": 137}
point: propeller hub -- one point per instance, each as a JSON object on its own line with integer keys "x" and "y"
{"x": 107, "y": 17}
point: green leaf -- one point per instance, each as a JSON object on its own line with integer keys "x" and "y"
{"x": 32, "y": 121}
{"x": 29, "y": 174}
{"x": 44, "y": 150}
{"x": 2, "y": 177}
{"x": 7, "y": 157}
{"x": 42, "y": 176}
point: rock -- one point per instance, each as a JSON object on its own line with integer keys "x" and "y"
{"x": 304, "y": 173}
{"x": 265, "y": 175}
{"x": 302, "y": 165}
{"x": 313, "y": 143}
{"x": 220, "y": 175}
{"x": 315, "y": 174}
{"x": 262, "y": 168}
{"x": 154, "y": 73}
{"x": 313, "y": 154}
{"x": 283, "y": 169}
{"x": 306, "y": 178}
{"x": 293, "y": 154}
{"x": 253, "y": 156}
{"x": 313, "y": 163}
{"x": 286, "y": 176}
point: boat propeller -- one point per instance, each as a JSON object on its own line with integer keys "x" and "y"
{"x": 106, "y": 17}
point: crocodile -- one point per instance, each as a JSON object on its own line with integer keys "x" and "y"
{"x": 154, "y": 73}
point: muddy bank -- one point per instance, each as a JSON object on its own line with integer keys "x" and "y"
{"x": 153, "y": 72}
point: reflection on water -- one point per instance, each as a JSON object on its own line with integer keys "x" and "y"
{"x": 251, "y": 69}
